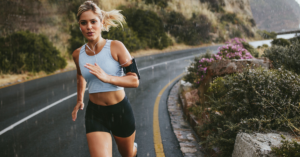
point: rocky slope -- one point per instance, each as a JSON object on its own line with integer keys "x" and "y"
{"x": 53, "y": 17}
{"x": 276, "y": 15}
{"x": 239, "y": 7}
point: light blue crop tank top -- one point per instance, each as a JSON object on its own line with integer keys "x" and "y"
{"x": 106, "y": 62}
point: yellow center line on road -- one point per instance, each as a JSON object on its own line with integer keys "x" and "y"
{"x": 159, "y": 149}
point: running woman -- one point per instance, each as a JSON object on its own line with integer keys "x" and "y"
{"x": 106, "y": 67}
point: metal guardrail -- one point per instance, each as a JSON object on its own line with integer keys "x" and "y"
{"x": 289, "y": 32}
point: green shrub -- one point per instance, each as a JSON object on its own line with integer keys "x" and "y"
{"x": 267, "y": 35}
{"x": 281, "y": 42}
{"x": 231, "y": 17}
{"x": 255, "y": 100}
{"x": 253, "y": 23}
{"x": 76, "y": 40}
{"x": 235, "y": 33}
{"x": 295, "y": 39}
{"x": 197, "y": 31}
{"x": 148, "y": 25}
{"x": 288, "y": 57}
{"x": 126, "y": 35}
{"x": 215, "y": 5}
{"x": 251, "y": 49}
{"x": 24, "y": 51}
{"x": 161, "y": 3}
{"x": 265, "y": 46}
{"x": 192, "y": 32}
{"x": 288, "y": 148}
{"x": 176, "y": 25}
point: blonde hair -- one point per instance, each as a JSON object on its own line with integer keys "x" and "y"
{"x": 108, "y": 18}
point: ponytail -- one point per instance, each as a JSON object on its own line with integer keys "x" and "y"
{"x": 110, "y": 17}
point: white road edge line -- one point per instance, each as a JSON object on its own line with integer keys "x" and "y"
{"x": 63, "y": 99}
{"x": 166, "y": 62}
{"x": 35, "y": 113}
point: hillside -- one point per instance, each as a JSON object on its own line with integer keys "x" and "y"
{"x": 276, "y": 15}
{"x": 218, "y": 20}
{"x": 174, "y": 25}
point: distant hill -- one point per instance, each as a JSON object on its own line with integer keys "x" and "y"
{"x": 276, "y": 15}
{"x": 295, "y": 6}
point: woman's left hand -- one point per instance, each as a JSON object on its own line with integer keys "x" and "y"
{"x": 98, "y": 72}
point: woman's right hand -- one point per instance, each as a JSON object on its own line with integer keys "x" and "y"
{"x": 78, "y": 106}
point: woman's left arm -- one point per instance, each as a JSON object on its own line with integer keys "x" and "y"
{"x": 121, "y": 54}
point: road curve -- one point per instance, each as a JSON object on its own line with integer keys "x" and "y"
{"x": 51, "y": 131}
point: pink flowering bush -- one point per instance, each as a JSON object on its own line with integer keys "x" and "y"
{"x": 236, "y": 41}
{"x": 198, "y": 68}
{"x": 243, "y": 44}
{"x": 233, "y": 50}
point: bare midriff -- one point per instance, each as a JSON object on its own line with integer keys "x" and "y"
{"x": 107, "y": 98}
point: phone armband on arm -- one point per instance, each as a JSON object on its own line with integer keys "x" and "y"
{"x": 132, "y": 68}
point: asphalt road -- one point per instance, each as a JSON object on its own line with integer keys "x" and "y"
{"x": 53, "y": 133}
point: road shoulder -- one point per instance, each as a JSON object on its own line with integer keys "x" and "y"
{"x": 184, "y": 133}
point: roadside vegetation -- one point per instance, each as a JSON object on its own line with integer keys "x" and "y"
{"x": 233, "y": 50}
{"x": 255, "y": 100}
{"x": 267, "y": 35}
{"x": 25, "y": 51}
{"x": 288, "y": 148}
{"x": 151, "y": 25}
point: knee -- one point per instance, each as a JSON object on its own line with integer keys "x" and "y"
{"x": 126, "y": 152}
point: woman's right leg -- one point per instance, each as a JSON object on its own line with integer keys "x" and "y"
{"x": 97, "y": 132}
{"x": 100, "y": 144}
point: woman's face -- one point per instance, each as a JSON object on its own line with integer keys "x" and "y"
{"x": 90, "y": 25}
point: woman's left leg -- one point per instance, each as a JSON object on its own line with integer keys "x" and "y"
{"x": 126, "y": 146}
{"x": 123, "y": 128}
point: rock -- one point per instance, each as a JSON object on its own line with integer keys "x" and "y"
{"x": 191, "y": 137}
{"x": 187, "y": 144}
{"x": 184, "y": 83}
{"x": 257, "y": 144}
{"x": 191, "y": 97}
{"x": 188, "y": 150}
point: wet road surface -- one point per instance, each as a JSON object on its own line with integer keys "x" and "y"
{"x": 52, "y": 131}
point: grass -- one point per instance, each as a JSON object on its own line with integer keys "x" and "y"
{"x": 11, "y": 79}
{"x": 108, "y": 5}
{"x": 186, "y": 7}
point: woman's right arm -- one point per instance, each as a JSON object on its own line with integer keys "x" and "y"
{"x": 81, "y": 84}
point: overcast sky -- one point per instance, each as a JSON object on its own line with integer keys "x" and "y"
{"x": 298, "y": 1}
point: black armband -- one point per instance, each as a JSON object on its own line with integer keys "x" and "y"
{"x": 132, "y": 68}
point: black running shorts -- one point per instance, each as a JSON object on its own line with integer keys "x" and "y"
{"x": 118, "y": 118}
